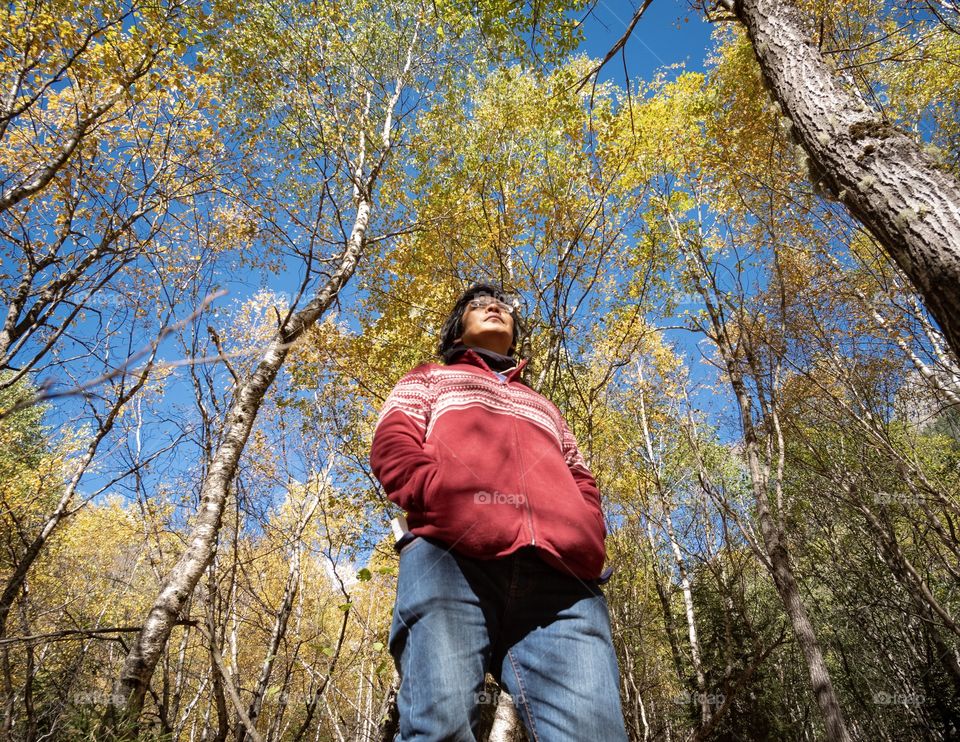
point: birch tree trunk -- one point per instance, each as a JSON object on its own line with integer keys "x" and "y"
{"x": 660, "y": 584}
{"x": 879, "y": 173}
{"x": 665, "y": 506}
{"x": 182, "y": 579}
{"x": 505, "y": 720}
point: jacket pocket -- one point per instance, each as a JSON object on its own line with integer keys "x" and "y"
{"x": 431, "y": 481}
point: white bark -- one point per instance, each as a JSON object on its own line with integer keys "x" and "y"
{"x": 691, "y": 621}
{"x": 666, "y": 506}
{"x": 505, "y": 720}
{"x": 182, "y": 579}
{"x": 282, "y": 616}
{"x": 231, "y": 689}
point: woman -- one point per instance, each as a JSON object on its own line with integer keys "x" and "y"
{"x": 501, "y": 569}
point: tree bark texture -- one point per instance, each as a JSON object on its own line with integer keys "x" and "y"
{"x": 666, "y": 506}
{"x": 182, "y": 579}
{"x": 878, "y": 172}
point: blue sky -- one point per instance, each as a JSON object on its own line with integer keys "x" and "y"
{"x": 669, "y": 32}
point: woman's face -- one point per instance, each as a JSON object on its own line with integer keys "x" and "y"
{"x": 487, "y": 323}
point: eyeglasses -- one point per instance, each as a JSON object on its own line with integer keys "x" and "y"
{"x": 482, "y": 302}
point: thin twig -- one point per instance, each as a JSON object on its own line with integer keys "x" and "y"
{"x": 622, "y": 42}
{"x": 44, "y": 392}
{"x": 67, "y": 634}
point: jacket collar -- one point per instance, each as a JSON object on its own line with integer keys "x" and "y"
{"x": 475, "y": 359}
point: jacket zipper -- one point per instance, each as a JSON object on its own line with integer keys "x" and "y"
{"x": 523, "y": 482}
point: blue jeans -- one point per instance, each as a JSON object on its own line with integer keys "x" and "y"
{"x": 544, "y": 635}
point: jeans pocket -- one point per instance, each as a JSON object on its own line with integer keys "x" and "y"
{"x": 409, "y": 545}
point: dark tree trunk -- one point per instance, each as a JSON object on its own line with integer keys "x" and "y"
{"x": 879, "y": 173}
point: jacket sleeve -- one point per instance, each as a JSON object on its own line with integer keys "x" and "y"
{"x": 581, "y": 474}
{"x": 397, "y": 455}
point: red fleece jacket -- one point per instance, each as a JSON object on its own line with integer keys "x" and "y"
{"x": 488, "y": 466}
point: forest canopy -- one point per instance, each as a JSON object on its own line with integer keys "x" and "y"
{"x": 228, "y": 229}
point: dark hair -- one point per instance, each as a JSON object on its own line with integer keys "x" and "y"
{"x": 453, "y": 325}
